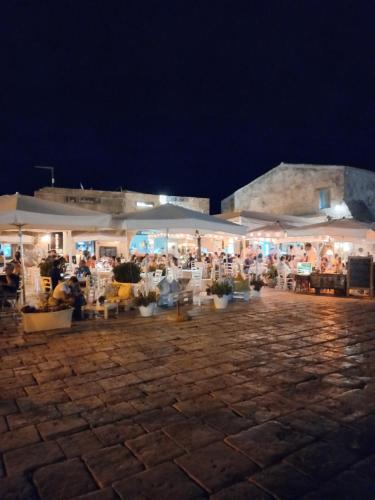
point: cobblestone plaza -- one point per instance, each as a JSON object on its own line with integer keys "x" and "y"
{"x": 271, "y": 399}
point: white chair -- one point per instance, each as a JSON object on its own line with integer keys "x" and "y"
{"x": 284, "y": 282}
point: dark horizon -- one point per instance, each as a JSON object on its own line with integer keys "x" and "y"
{"x": 186, "y": 99}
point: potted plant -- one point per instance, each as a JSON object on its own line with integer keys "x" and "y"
{"x": 146, "y": 302}
{"x": 46, "y": 318}
{"x": 271, "y": 276}
{"x": 221, "y": 290}
{"x": 241, "y": 285}
{"x": 126, "y": 275}
{"x": 257, "y": 283}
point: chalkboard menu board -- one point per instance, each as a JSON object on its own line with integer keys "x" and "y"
{"x": 360, "y": 273}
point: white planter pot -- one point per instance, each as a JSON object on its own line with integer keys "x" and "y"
{"x": 37, "y": 322}
{"x": 255, "y": 294}
{"x": 221, "y": 302}
{"x": 147, "y": 311}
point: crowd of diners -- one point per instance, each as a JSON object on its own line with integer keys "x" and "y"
{"x": 65, "y": 277}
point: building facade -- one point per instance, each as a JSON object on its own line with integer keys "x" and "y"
{"x": 118, "y": 202}
{"x": 308, "y": 190}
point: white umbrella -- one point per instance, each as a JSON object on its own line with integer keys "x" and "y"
{"x": 35, "y": 213}
{"x": 173, "y": 218}
{"x": 343, "y": 229}
{"x": 22, "y": 211}
{"x": 276, "y": 230}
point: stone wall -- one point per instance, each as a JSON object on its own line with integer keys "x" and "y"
{"x": 359, "y": 193}
{"x": 289, "y": 189}
{"x": 117, "y": 202}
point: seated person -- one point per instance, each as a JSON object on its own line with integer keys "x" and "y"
{"x": 69, "y": 292}
{"x": 283, "y": 268}
{"x": 10, "y": 282}
{"x": 83, "y": 269}
{"x": 62, "y": 292}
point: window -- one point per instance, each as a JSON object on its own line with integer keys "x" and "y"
{"x": 324, "y": 199}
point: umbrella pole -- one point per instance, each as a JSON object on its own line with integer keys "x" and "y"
{"x": 22, "y": 264}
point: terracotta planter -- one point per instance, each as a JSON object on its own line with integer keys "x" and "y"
{"x": 147, "y": 311}
{"x": 37, "y": 322}
{"x": 221, "y": 302}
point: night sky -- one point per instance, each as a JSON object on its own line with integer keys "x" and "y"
{"x": 182, "y": 98}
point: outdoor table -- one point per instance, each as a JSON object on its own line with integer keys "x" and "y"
{"x": 102, "y": 308}
{"x": 328, "y": 281}
{"x": 302, "y": 283}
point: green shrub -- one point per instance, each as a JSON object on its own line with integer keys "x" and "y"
{"x": 128, "y": 272}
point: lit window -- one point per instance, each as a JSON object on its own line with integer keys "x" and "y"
{"x": 163, "y": 199}
{"x": 144, "y": 204}
{"x": 324, "y": 199}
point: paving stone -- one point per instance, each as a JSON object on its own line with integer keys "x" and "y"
{"x": 161, "y": 482}
{"x": 283, "y": 481}
{"x": 192, "y": 434}
{"x": 122, "y": 380}
{"x": 54, "y": 374}
{"x": 237, "y": 393}
{"x": 268, "y": 443}
{"x": 79, "y": 443}
{"x": 108, "y": 414}
{"x": 56, "y": 428}
{"x": 80, "y": 405}
{"x": 41, "y": 399}
{"x": 3, "y": 425}
{"x": 8, "y": 407}
{"x": 264, "y": 408}
{"x": 117, "y": 432}
{"x": 199, "y": 406}
{"x": 69, "y": 479}
{"x": 322, "y": 460}
{"x": 309, "y": 422}
{"x": 216, "y": 466}
{"x": 156, "y": 419}
{"x": 122, "y": 394}
{"x": 226, "y": 421}
{"x": 103, "y": 494}
{"x": 18, "y": 438}
{"x": 31, "y": 457}
{"x": 154, "y": 448}
{"x": 83, "y": 390}
{"x": 17, "y": 488}
{"x": 241, "y": 491}
{"x": 35, "y": 416}
{"x": 111, "y": 464}
{"x": 152, "y": 402}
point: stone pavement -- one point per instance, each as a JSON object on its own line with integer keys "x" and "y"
{"x": 272, "y": 399}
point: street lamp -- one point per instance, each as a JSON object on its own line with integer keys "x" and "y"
{"x": 51, "y": 169}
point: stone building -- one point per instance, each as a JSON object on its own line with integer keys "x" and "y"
{"x": 308, "y": 190}
{"x": 117, "y": 202}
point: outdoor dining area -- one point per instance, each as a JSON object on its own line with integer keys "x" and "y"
{"x": 67, "y": 262}
{"x": 62, "y": 284}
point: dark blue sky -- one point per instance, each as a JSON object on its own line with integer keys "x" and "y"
{"x": 190, "y": 98}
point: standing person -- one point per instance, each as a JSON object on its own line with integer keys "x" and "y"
{"x": 55, "y": 274}
{"x": 310, "y": 254}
